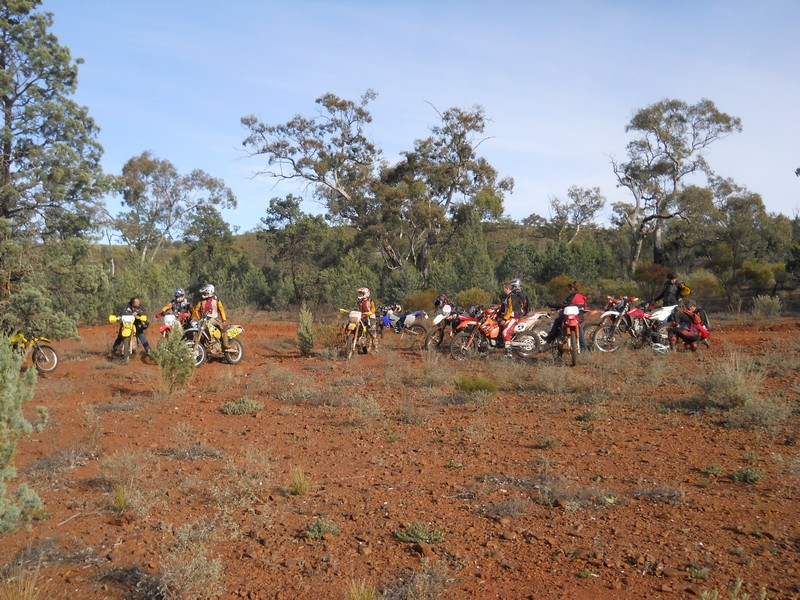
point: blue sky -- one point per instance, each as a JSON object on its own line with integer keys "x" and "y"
{"x": 558, "y": 80}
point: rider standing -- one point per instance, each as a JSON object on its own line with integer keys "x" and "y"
{"x": 674, "y": 289}
{"x": 211, "y": 306}
{"x": 367, "y": 308}
{"x": 522, "y": 297}
{"x": 135, "y": 308}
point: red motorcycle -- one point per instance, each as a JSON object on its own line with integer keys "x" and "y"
{"x": 479, "y": 338}
{"x": 568, "y": 335}
{"x": 640, "y": 325}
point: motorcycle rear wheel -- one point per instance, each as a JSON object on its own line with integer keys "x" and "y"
{"x": 417, "y": 334}
{"x": 573, "y": 346}
{"x": 459, "y": 349}
{"x": 234, "y": 358}
{"x": 529, "y": 345}
{"x": 45, "y": 358}
{"x": 435, "y": 339}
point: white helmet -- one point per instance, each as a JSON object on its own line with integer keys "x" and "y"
{"x": 515, "y": 284}
{"x": 363, "y": 293}
{"x": 207, "y": 290}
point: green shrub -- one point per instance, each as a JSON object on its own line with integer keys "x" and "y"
{"x": 305, "y": 331}
{"x": 766, "y": 307}
{"x": 746, "y": 475}
{"x": 419, "y": 532}
{"x": 477, "y": 383}
{"x": 241, "y": 406}
{"x": 22, "y": 503}
{"x": 733, "y": 383}
{"x": 320, "y": 528}
{"x": 175, "y": 361}
{"x": 473, "y": 296}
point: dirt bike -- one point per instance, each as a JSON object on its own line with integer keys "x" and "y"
{"x": 614, "y": 309}
{"x": 44, "y": 356}
{"x": 566, "y": 342}
{"x": 127, "y": 330}
{"x": 445, "y": 326}
{"x": 643, "y": 328}
{"x": 479, "y": 339}
{"x": 204, "y": 339}
{"x": 355, "y": 333}
{"x": 409, "y": 326}
{"x": 168, "y": 320}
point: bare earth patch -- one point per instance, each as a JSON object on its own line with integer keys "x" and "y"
{"x": 617, "y": 478}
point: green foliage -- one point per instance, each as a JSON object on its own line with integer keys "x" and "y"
{"x": 419, "y": 532}
{"x": 401, "y": 284}
{"x": 469, "y": 253}
{"x": 341, "y": 282}
{"x": 31, "y": 311}
{"x": 746, "y": 475}
{"x": 22, "y": 503}
{"x": 321, "y": 528}
{"x": 50, "y": 163}
{"x": 241, "y": 406}
{"x": 520, "y": 259}
{"x": 175, "y": 361}
{"x": 422, "y": 300}
{"x": 766, "y": 307}
{"x": 305, "y": 331}
{"x": 477, "y": 383}
{"x": 473, "y": 296}
{"x": 162, "y": 203}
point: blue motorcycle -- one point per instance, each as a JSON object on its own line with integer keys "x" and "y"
{"x": 408, "y": 325}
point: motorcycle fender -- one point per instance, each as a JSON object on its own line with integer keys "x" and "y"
{"x": 438, "y": 319}
{"x": 610, "y": 313}
{"x": 235, "y": 330}
{"x": 126, "y": 332}
{"x": 350, "y": 327}
{"x": 409, "y": 320}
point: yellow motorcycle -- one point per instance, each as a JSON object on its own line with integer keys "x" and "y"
{"x": 128, "y": 332}
{"x": 44, "y": 356}
{"x": 205, "y": 341}
{"x": 355, "y": 333}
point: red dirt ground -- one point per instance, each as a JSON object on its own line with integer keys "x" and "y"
{"x": 589, "y": 482}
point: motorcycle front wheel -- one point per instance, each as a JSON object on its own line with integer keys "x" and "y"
{"x": 606, "y": 339}
{"x": 126, "y": 350}
{"x": 45, "y": 358}
{"x": 234, "y": 358}
{"x": 198, "y": 352}
{"x": 349, "y": 345}
{"x": 461, "y": 348}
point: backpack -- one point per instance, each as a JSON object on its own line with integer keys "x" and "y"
{"x": 683, "y": 290}
{"x": 524, "y": 301}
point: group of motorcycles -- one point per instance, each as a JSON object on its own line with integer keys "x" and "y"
{"x": 203, "y": 338}
{"x": 356, "y": 331}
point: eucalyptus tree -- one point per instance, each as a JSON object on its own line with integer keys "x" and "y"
{"x": 403, "y": 208}
{"x": 668, "y": 152}
{"x": 50, "y": 174}
{"x": 161, "y": 203}
{"x": 569, "y": 217}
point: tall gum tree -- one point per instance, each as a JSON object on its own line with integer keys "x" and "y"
{"x": 49, "y": 154}
{"x": 669, "y": 150}
{"x": 403, "y": 208}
